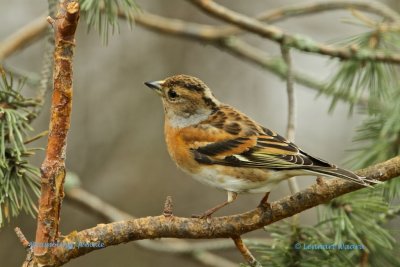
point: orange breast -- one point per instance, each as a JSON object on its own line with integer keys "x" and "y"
{"x": 180, "y": 141}
{"x": 179, "y": 149}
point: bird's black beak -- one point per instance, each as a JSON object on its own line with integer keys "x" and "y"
{"x": 156, "y": 86}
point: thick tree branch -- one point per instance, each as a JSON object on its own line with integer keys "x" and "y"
{"x": 107, "y": 212}
{"x": 218, "y": 227}
{"x": 53, "y": 167}
{"x": 301, "y": 43}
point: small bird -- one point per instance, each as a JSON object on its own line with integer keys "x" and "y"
{"x": 222, "y": 147}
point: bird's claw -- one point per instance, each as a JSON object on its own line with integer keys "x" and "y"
{"x": 264, "y": 204}
{"x": 203, "y": 216}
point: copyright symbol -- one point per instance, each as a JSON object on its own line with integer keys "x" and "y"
{"x": 297, "y": 246}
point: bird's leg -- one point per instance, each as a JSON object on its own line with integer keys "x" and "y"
{"x": 231, "y": 197}
{"x": 264, "y": 202}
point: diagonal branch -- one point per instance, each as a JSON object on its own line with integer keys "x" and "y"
{"x": 23, "y": 37}
{"x": 104, "y": 235}
{"x": 221, "y": 36}
{"x": 53, "y": 167}
{"x": 233, "y": 45}
{"x": 251, "y": 260}
{"x": 302, "y": 9}
{"x": 210, "y": 33}
{"x": 301, "y": 43}
{"x": 34, "y": 30}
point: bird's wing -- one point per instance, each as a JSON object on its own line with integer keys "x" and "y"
{"x": 246, "y": 144}
{"x": 269, "y": 151}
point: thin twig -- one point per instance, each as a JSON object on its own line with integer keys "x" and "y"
{"x": 233, "y": 45}
{"x": 270, "y": 16}
{"x": 291, "y": 121}
{"x": 241, "y": 49}
{"x": 46, "y": 73}
{"x": 36, "y": 137}
{"x": 22, "y": 238}
{"x": 250, "y": 259}
{"x": 302, "y": 9}
{"x": 291, "y": 118}
{"x": 23, "y": 37}
{"x": 301, "y": 43}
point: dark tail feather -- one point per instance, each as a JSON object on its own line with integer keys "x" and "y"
{"x": 347, "y": 175}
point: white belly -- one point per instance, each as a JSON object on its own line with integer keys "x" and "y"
{"x": 212, "y": 177}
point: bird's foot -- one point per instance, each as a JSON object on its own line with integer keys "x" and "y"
{"x": 207, "y": 214}
{"x": 204, "y": 215}
{"x": 264, "y": 204}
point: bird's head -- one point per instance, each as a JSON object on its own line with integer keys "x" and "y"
{"x": 186, "y": 99}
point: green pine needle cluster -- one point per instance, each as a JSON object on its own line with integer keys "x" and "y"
{"x": 103, "y": 14}
{"x": 302, "y": 246}
{"x": 351, "y": 228}
{"x": 356, "y": 217}
{"x": 355, "y": 79}
{"x": 378, "y": 138}
{"x": 19, "y": 181}
{"x": 360, "y": 217}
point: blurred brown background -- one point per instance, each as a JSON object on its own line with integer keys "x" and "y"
{"x": 116, "y": 143}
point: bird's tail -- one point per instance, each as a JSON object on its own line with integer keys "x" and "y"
{"x": 347, "y": 175}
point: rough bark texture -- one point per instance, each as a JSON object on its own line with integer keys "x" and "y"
{"x": 104, "y": 235}
{"x": 53, "y": 167}
{"x": 167, "y": 225}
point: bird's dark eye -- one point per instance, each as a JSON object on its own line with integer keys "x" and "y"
{"x": 172, "y": 94}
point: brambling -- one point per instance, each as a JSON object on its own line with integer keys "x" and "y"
{"x": 222, "y": 147}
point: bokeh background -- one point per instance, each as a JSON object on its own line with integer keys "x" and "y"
{"x": 116, "y": 144}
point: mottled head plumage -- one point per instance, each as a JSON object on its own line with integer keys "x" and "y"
{"x": 186, "y": 99}
{"x": 185, "y": 81}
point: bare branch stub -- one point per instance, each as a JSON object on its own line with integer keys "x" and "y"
{"x": 22, "y": 238}
{"x": 168, "y": 205}
{"x": 53, "y": 166}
